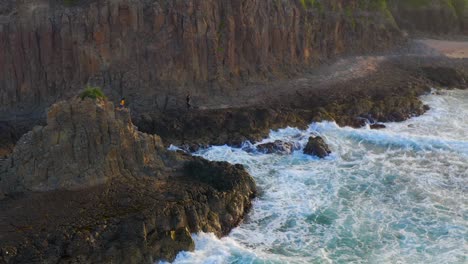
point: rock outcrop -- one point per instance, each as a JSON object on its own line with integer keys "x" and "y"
{"x": 278, "y": 146}
{"x": 89, "y": 188}
{"x": 84, "y": 144}
{"x": 316, "y": 146}
{"x": 377, "y": 126}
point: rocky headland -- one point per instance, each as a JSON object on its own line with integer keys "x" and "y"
{"x": 89, "y": 188}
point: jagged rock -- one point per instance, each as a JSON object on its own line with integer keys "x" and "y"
{"x": 316, "y": 146}
{"x": 84, "y": 144}
{"x": 278, "y": 146}
{"x": 89, "y": 188}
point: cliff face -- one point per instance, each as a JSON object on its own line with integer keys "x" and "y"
{"x": 89, "y": 188}
{"x": 154, "y": 51}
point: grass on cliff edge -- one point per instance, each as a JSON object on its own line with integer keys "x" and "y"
{"x": 93, "y": 93}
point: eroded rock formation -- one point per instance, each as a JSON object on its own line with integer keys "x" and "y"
{"x": 89, "y": 188}
{"x": 84, "y": 144}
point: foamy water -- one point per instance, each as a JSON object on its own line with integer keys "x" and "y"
{"x": 397, "y": 195}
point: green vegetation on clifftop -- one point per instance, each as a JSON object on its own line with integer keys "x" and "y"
{"x": 93, "y": 93}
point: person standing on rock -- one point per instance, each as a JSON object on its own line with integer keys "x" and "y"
{"x": 188, "y": 100}
{"x": 122, "y": 103}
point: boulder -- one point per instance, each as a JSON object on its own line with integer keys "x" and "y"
{"x": 278, "y": 146}
{"x": 377, "y": 126}
{"x": 317, "y": 147}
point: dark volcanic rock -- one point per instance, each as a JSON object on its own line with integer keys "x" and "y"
{"x": 89, "y": 188}
{"x": 231, "y": 126}
{"x": 317, "y": 147}
{"x": 446, "y": 77}
{"x": 377, "y": 126}
{"x": 278, "y": 146}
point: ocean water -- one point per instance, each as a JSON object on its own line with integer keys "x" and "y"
{"x": 397, "y": 195}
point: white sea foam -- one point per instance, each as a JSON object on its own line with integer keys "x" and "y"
{"x": 397, "y": 195}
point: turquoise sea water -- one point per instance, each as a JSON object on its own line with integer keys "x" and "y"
{"x": 397, "y": 195}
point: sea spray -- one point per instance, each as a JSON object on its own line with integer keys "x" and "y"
{"x": 396, "y": 195}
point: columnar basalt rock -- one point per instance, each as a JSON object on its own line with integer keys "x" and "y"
{"x": 153, "y": 51}
{"x": 84, "y": 144}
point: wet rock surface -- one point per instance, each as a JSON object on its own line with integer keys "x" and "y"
{"x": 89, "y": 188}
{"x": 278, "y": 146}
{"x": 316, "y": 146}
{"x": 377, "y": 126}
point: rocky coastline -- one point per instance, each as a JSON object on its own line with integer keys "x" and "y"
{"x": 142, "y": 207}
{"x": 388, "y": 94}
{"x": 82, "y": 181}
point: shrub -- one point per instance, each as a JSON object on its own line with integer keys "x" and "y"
{"x": 69, "y": 2}
{"x": 93, "y": 93}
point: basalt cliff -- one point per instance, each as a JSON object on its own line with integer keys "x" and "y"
{"x": 155, "y": 51}
{"x": 89, "y": 188}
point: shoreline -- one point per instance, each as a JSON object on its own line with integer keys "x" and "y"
{"x": 299, "y": 100}
{"x": 388, "y": 90}
{"x": 399, "y": 144}
{"x": 350, "y": 91}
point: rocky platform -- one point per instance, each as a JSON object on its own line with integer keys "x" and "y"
{"x": 89, "y": 188}
{"x": 389, "y": 90}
